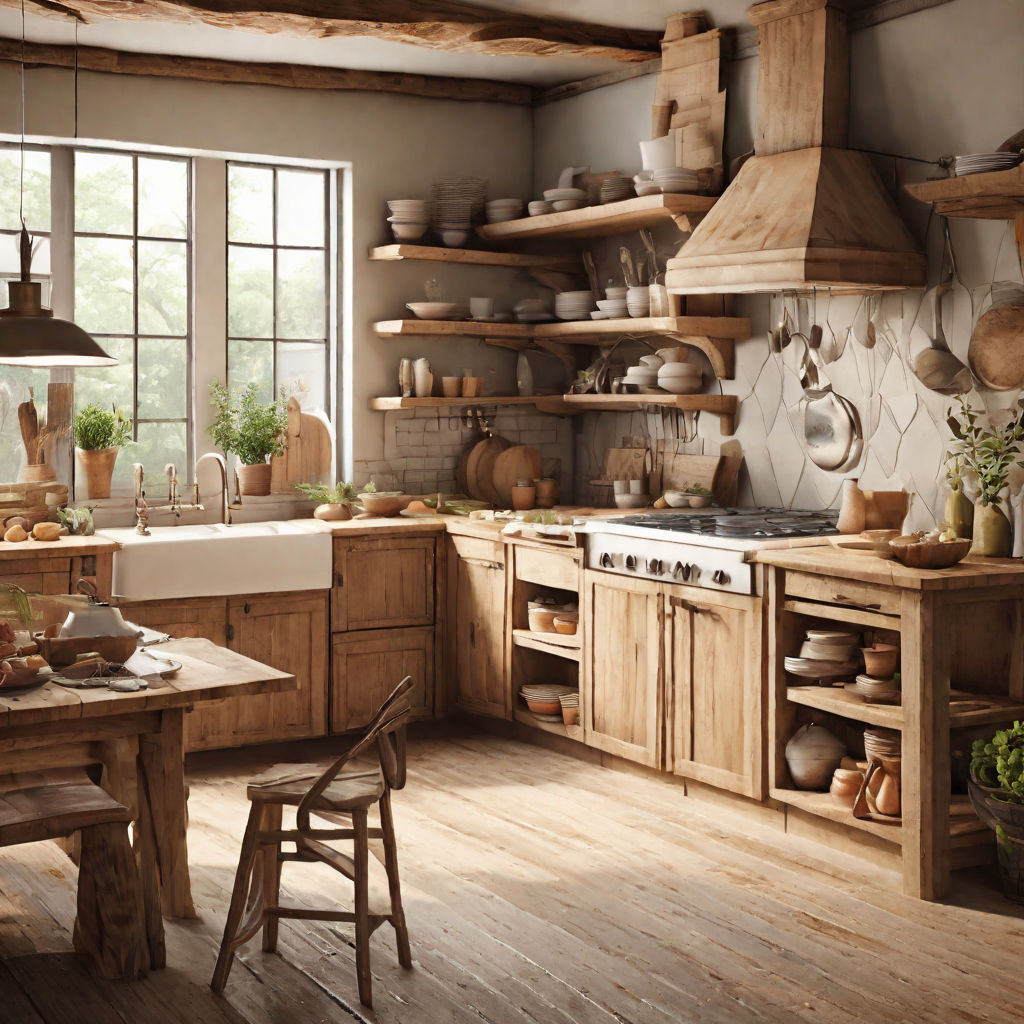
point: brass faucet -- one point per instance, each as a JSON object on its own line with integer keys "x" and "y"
{"x": 142, "y": 507}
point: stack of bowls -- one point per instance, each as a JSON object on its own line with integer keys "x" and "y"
{"x": 570, "y": 707}
{"x": 539, "y": 207}
{"x": 616, "y": 189}
{"x": 644, "y": 376}
{"x": 452, "y": 220}
{"x": 675, "y": 179}
{"x": 680, "y": 378}
{"x": 499, "y": 210}
{"x": 545, "y": 699}
{"x": 826, "y": 655}
{"x": 563, "y": 199}
{"x": 462, "y": 190}
{"x": 877, "y": 684}
{"x": 409, "y": 218}
{"x": 610, "y": 309}
{"x": 574, "y": 305}
{"x": 645, "y": 185}
{"x": 616, "y": 292}
{"x": 638, "y": 302}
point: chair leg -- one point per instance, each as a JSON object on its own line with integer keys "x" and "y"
{"x": 246, "y": 860}
{"x": 387, "y": 824}
{"x": 271, "y": 877}
{"x": 362, "y": 907}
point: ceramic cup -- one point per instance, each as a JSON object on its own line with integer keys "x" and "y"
{"x": 621, "y": 486}
{"x": 481, "y": 307}
{"x": 636, "y": 487}
{"x": 472, "y": 387}
{"x": 450, "y": 386}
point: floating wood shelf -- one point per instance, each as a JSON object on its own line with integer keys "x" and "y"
{"x": 608, "y": 219}
{"x": 997, "y": 195}
{"x": 559, "y": 644}
{"x": 822, "y": 805}
{"x": 391, "y": 403}
{"x": 451, "y": 328}
{"x": 527, "y": 717}
{"x": 473, "y": 257}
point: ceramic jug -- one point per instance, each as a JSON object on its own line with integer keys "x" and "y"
{"x": 423, "y": 378}
{"x": 959, "y": 515}
{"x": 852, "y": 509}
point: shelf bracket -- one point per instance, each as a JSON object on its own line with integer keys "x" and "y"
{"x": 721, "y": 352}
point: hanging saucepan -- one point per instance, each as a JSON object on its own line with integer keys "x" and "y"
{"x": 830, "y": 425}
{"x": 996, "y": 353}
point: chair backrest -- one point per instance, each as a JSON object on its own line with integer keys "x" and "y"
{"x": 387, "y": 731}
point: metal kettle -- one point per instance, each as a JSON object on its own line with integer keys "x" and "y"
{"x": 93, "y": 617}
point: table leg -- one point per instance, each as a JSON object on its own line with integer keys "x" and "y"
{"x": 162, "y": 775}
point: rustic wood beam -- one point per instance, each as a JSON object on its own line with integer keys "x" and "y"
{"x": 296, "y": 76}
{"x": 452, "y": 25}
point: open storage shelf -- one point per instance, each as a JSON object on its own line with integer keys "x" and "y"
{"x": 558, "y": 644}
{"x": 451, "y": 328}
{"x": 473, "y": 257}
{"x": 996, "y": 195}
{"x": 524, "y": 715}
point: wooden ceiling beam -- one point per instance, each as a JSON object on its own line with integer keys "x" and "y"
{"x": 296, "y": 76}
{"x": 451, "y": 25}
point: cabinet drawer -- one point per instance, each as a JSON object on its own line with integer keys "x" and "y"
{"x": 367, "y": 666}
{"x": 547, "y": 568}
{"x": 381, "y": 584}
{"x": 828, "y": 590}
{"x": 490, "y": 552}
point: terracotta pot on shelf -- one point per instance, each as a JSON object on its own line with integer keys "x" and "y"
{"x": 547, "y": 492}
{"x": 254, "y": 480}
{"x": 97, "y": 466}
{"x": 846, "y": 783}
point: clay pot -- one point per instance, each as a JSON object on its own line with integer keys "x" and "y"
{"x": 547, "y": 492}
{"x": 846, "y": 783}
{"x": 887, "y": 799}
{"x": 992, "y": 535}
{"x": 959, "y": 513}
{"x": 881, "y": 661}
{"x": 523, "y": 496}
{"x": 851, "y": 511}
{"x": 333, "y": 512}
{"x": 97, "y": 467}
{"x": 254, "y": 480}
{"x": 813, "y": 754}
{"x": 885, "y": 510}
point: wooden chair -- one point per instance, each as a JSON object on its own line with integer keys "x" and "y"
{"x": 333, "y": 795}
{"x": 109, "y": 927}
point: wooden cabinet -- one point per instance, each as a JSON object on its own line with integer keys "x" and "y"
{"x": 714, "y": 690}
{"x": 367, "y": 665}
{"x": 383, "y": 583}
{"x": 622, "y": 698}
{"x": 476, "y": 626}
{"x": 287, "y": 631}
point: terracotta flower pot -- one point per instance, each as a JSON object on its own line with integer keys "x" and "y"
{"x": 97, "y": 466}
{"x": 254, "y": 480}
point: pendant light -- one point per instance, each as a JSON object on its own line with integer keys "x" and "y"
{"x": 30, "y": 335}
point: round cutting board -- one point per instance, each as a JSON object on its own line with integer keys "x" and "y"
{"x": 521, "y": 461}
{"x": 996, "y": 353}
{"x": 480, "y": 466}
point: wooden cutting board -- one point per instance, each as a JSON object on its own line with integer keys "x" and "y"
{"x": 681, "y": 471}
{"x": 996, "y": 353}
{"x": 520, "y": 462}
{"x": 481, "y": 465}
{"x": 310, "y": 454}
{"x": 625, "y": 464}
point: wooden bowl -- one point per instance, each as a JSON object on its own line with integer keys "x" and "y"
{"x": 61, "y": 651}
{"x": 542, "y": 620}
{"x": 929, "y": 554}
{"x": 384, "y": 503}
{"x": 566, "y": 625}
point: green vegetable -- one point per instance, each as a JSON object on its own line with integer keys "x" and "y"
{"x": 698, "y": 489}
{"x": 340, "y": 494}
{"x": 247, "y": 426}
{"x": 999, "y": 763}
{"x": 370, "y": 488}
{"x": 96, "y": 428}
{"x": 77, "y": 520}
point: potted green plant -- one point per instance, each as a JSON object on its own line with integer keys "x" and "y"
{"x": 996, "y": 787}
{"x": 334, "y": 503}
{"x": 99, "y": 435}
{"x": 252, "y": 430}
{"x": 988, "y": 453}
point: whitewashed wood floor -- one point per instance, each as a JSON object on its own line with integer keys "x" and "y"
{"x": 538, "y": 889}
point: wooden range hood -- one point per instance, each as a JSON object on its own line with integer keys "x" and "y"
{"x": 803, "y": 212}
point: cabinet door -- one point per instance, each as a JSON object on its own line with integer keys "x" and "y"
{"x": 368, "y": 665}
{"x": 382, "y": 583}
{"x": 204, "y": 617}
{"x": 714, "y": 690}
{"x": 623, "y": 704}
{"x": 289, "y": 632}
{"x": 477, "y": 626}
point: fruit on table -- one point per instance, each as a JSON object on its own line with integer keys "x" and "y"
{"x": 15, "y": 535}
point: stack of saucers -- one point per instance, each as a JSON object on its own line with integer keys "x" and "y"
{"x": 462, "y": 190}
{"x": 499, "y": 210}
{"x": 563, "y": 199}
{"x": 617, "y": 188}
{"x": 539, "y": 207}
{"x": 545, "y": 699}
{"x": 574, "y": 305}
{"x": 409, "y": 218}
{"x": 826, "y": 655}
{"x": 609, "y": 309}
{"x": 978, "y": 163}
{"x": 675, "y": 179}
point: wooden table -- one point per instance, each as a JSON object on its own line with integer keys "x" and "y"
{"x": 138, "y": 740}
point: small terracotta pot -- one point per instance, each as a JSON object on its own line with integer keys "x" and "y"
{"x": 547, "y": 492}
{"x": 97, "y": 466}
{"x": 846, "y": 783}
{"x": 333, "y": 512}
{"x": 523, "y": 497}
{"x": 254, "y": 480}
{"x": 881, "y": 661}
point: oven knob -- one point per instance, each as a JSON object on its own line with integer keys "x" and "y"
{"x": 654, "y": 566}
{"x": 631, "y": 561}
{"x": 606, "y": 560}
{"x": 682, "y": 571}
{"x": 692, "y": 572}
{"x": 719, "y": 577}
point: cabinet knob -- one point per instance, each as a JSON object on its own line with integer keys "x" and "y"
{"x": 245, "y": 608}
{"x": 339, "y": 579}
{"x": 229, "y": 632}
{"x": 472, "y": 633}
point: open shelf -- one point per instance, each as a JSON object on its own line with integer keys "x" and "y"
{"x": 823, "y": 806}
{"x": 725, "y": 406}
{"x": 558, "y": 644}
{"x": 390, "y": 403}
{"x": 731, "y": 327}
{"x": 527, "y": 717}
{"x": 473, "y": 257}
{"x": 996, "y": 195}
{"x": 608, "y": 219}
{"x": 451, "y": 328}
{"x": 842, "y": 613}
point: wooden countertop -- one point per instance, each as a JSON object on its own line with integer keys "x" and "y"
{"x": 387, "y": 526}
{"x": 66, "y": 547}
{"x": 869, "y": 568}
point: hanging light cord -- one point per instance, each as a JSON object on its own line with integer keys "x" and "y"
{"x": 76, "y": 76}
{"x": 21, "y": 197}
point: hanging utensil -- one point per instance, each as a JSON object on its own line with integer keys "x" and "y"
{"x": 652, "y": 256}
{"x": 831, "y": 424}
{"x": 628, "y": 273}
{"x": 588, "y": 266}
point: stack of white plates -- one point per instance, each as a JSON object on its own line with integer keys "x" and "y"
{"x": 574, "y": 305}
{"x": 539, "y": 207}
{"x": 615, "y": 189}
{"x": 459, "y": 191}
{"x": 675, "y": 179}
{"x": 409, "y": 218}
{"x": 562, "y": 199}
{"x": 978, "y": 163}
{"x": 612, "y": 308}
{"x": 644, "y": 377}
{"x": 499, "y": 210}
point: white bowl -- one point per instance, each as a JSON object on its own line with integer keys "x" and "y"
{"x": 676, "y": 499}
{"x": 408, "y": 232}
{"x": 648, "y": 188}
{"x": 434, "y": 310}
{"x": 564, "y": 205}
{"x": 616, "y": 293}
{"x": 652, "y": 362}
{"x": 679, "y": 385}
{"x": 616, "y": 306}
{"x": 673, "y": 355}
{"x": 632, "y": 500}
{"x": 539, "y": 207}
{"x": 679, "y": 370}
{"x": 583, "y": 296}
{"x": 454, "y": 237}
{"x": 553, "y": 194}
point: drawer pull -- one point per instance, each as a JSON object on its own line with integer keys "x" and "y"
{"x": 339, "y": 579}
{"x": 843, "y": 599}
{"x": 229, "y": 632}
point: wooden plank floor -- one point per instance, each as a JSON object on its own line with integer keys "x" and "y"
{"x": 539, "y": 890}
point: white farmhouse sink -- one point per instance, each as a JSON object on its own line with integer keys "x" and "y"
{"x": 213, "y": 559}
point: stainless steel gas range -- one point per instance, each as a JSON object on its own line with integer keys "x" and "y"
{"x": 709, "y": 548}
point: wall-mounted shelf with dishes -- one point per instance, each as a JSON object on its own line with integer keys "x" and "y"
{"x": 473, "y": 257}
{"x": 451, "y": 328}
{"x": 994, "y": 195}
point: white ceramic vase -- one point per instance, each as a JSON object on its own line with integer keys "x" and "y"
{"x": 423, "y": 378}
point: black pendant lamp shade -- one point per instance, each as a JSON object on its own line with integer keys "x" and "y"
{"x": 30, "y": 335}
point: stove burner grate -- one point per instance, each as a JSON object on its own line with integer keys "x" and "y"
{"x": 739, "y": 523}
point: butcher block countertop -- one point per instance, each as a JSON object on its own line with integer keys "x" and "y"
{"x": 869, "y": 568}
{"x": 66, "y": 547}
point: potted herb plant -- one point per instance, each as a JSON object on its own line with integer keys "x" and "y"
{"x": 996, "y": 786}
{"x": 334, "y": 503}
{"x": 252, "y": 430}
{"x": 988, "y": 453}
{"x": 99, "y": 435}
